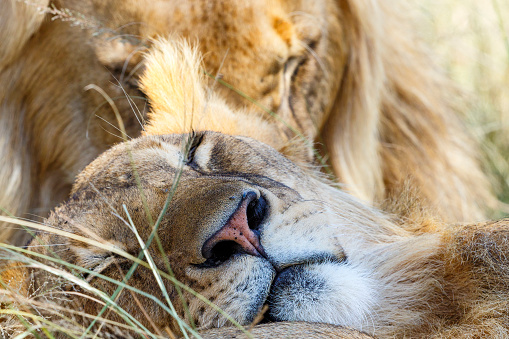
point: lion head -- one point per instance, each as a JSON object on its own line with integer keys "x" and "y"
{"x": 241, "y": 230}
{"x": 244, "y": 227}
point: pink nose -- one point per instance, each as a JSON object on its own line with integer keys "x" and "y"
{"x": 238, "y": 231}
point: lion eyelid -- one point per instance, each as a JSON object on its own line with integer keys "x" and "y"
{"x": 196, "y": 140}
{"x": 107, "y": 261}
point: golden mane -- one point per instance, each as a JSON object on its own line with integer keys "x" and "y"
{"x": 396, "y": 123}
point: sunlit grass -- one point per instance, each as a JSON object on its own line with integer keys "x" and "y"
{"x": 70, "y": 273}
{"x": 23, "y": 311}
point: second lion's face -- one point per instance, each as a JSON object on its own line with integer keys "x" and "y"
{"x": 286, "y": 55}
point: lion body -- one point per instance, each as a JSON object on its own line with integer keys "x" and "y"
{"x": 287, "y": 330}
{"x": 346, "y": 74}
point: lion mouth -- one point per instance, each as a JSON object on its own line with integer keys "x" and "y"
{"x": 286, "y": 279}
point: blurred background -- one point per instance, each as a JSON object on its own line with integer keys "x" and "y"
{"x": 471, "y": 40}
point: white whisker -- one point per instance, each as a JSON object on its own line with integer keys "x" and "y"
{"x": 132, "y": 23}
{"x": 315, "y": 56}
{"x": 133, "y": 106}
{"x": 128, "y": 59}
{"x": 120, "y": 36}
{"x": 135, "y": 68}
{"x": 115, "y": 127}
{"x": 115, "y": 135}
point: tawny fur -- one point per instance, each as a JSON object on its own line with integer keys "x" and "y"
{"x": 287, "y": 331}
{"x": 395, "y": 123}
{"x": 447, "y": 282}
{"x": 181, "y": 105}
{"x": 349, "y": 74}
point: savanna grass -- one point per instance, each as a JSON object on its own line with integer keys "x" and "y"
{"x": 471, "y": 39}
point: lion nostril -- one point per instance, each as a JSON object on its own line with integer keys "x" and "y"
{"x": 239, "y": 234}
{"x": 256, "y": 211}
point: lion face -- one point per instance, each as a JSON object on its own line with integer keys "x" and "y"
{"x": 245, "y": 227}
{"x": 279, "y": 53}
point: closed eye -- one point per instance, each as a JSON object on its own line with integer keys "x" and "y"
{"x": 293, "y": 64}
{"x": 102, "y": 262}
{"x": 195, "y": 141}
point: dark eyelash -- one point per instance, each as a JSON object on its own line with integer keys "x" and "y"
{"x": 196, "y": 140}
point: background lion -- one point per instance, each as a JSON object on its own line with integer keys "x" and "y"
{"x": 345, "y": 73}
{"x": 232, "y": 219}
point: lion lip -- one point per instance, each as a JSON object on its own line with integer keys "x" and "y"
{"x": 313, "y": 259}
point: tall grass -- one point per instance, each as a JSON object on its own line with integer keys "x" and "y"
{"x": 42, "y": 314}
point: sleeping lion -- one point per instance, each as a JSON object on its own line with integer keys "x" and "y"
{"x": 348, "y": 75}
{"x": 216, "y": 229}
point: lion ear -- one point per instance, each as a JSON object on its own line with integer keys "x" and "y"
{"x": 173, "y": 83}
{"x": 18, "y": 22}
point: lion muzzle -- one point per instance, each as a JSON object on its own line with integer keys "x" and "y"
{"x": 240, "y": 233}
